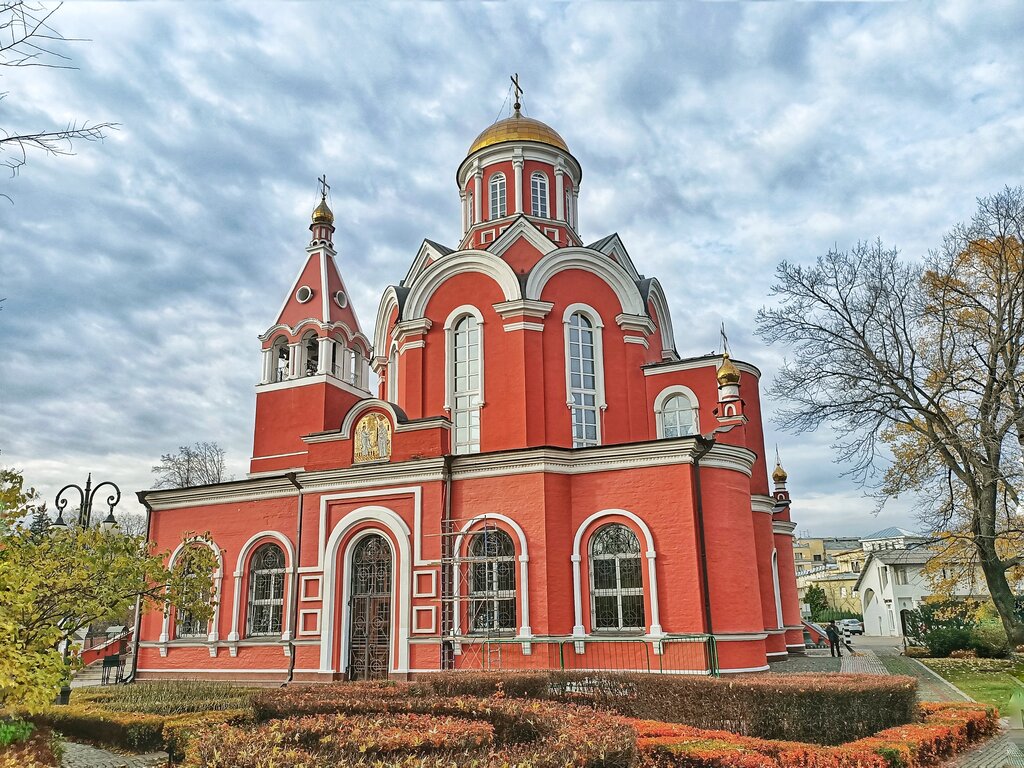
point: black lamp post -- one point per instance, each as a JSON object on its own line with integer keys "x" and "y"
{"x": 87, "y": 495}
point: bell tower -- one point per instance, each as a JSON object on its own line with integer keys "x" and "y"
{"x": 315, "y": 355}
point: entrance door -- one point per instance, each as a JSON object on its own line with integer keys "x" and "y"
{"x": 369, "y": 634}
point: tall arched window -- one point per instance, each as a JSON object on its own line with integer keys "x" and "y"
{"x": 497, "y": 186}
{"x": 266, "y": 592}
{"x": 678, "y": 417}
{"x": 616, "y": 582}
{"x": 466, "y": 394}
{"x": 311, "y": 353}
{"x": 472, "y": 211}
{"x": 185, "y": 624}
{"x": 568, "y": 208}
{"x": 281, "y": 356}
{"x": 492, "y": 582}
{"x": 539, "y": 195}
{"x": 582, "y": 358}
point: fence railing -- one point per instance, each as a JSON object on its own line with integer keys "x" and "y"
{"x": 675, "y": 654}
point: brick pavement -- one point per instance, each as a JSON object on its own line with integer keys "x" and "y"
{"x": 84, "y": 756}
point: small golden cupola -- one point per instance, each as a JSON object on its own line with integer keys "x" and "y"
{"x": 728, "y": 373}
{"x": 780, "y": 476}
{"x": 322, "y": 225}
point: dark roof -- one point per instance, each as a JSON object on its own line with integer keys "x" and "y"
{"x": 917, "y": 556}
{"x": 838, "y": 576}
{"x": 597, "y": 245}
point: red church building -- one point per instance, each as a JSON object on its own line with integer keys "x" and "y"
{"x": 537, "y": 479}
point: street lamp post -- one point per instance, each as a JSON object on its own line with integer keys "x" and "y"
{"x": 87, "y": 495}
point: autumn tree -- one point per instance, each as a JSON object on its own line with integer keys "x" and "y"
{"x": 55, "y": 585}
{"x": 917, "y": 366}
{"x": 817, "y": 601}
{"x": 197, "y": 464}
{"x": 29, "y": 39}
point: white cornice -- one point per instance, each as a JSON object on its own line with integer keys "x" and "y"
{"x": 783, "y": 527}
{"x": 434, "y": 422}
{"x": 657, "y": 369}
{"x": 305, "y": 381}
{"x": 640, "y": 323}
{"x": 509, "y": 327}
{"x": 524, "y": 307}
{"x": 759, "y": 503}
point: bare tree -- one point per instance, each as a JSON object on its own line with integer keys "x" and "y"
{"x": 27, "y": 39}
{"x": 918, "y": 367}
{"x": 196, "y": 464}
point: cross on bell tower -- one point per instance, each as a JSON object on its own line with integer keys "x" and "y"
{"x": 323, "y": 217}
{"x": 519, "y": 93}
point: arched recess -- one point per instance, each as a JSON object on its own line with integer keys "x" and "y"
{"x": 658, "y": 300}
{"x": 218, "y": 579}
{"x": 466, "y": 261}
{"x": 361, "y": 407}
{"x": 243, "y": 557}
{"x": 524, "y": 570}
{"x": 779, "y": 623}
{"x": 389, "y": 302}
{"x": 587, "y": 260}
{"x": 376, "y": 520}
{"x": 578, "y": 629}
{"x": 664, "y": 396}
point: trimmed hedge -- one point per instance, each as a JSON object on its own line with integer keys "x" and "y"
{"x": 333, "y": 731}
{"x": 823, "y": 709}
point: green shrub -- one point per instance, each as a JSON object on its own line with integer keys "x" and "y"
{"x": 14, "y": 731}
{"x": 989, "y": 640}
{"x": 39, "y": 750}
{"x": 170, "y": 697}
{"x": 942, "y": 641}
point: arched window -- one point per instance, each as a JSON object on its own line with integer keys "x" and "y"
{"x": 492, "y": 582}
{"x": 355, "y": 376}
{"x": 393, "y": 375}
{"x": 678, "y": 417}
{"x": 616, "y": 582}
{"x": 497, "y": 186}
{"x": 568, "y": 208}
{"x": 539, "y": 195}
{"x": 281, "y": 356}
{"x": 472, "y": 210}
{"x": 583, "y": 385}
{"x": 337, "y": 359}
{"x": 266, "y": 592}
{"x": 311, "y": 353}
{"x": 466, "y": 394}
{"x": 185, "y": 624}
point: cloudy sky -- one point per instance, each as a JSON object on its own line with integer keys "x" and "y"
{"x": 716, "y": 139}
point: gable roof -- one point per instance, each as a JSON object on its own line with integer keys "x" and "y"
{"x": 892, "y": 532}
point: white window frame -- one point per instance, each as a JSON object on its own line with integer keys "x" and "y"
{"x": 454, "y": 318}
{"x": 539, "y": 202}
{"x": 662, "y": 400}
{"x": 489, "y": 592}
{"x": 618, "y": 592}
{"x": 599, "y": 391}
{"x": 497, "y": 200}
{"x": 251, "y": 587}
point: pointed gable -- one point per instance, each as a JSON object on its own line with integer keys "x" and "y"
{"x": 337, "y": 303}
{"x": 612, "y": 247}
{"x": 295, "y": 311}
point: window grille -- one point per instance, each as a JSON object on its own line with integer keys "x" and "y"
{"x": 492, "y": 582}
{"x": 266, "y": 592}
{"x": 616, "y": 581}
{"x": 678, "y": 417}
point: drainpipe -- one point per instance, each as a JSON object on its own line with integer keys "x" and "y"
{"x": 706, "y": 443}
{"x": 293, "y": 609}
{"x": 138, "y": 600}
{"x": 448, "y": 606}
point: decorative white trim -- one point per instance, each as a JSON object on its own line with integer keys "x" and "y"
{"x": 783, "y": 527}
{"x": 293, "y": 331}
{"x": 301, "y": 630}
{"x": 401, "y": 578}
{"x": 420, "y": 609}
{"x": 303, "y": 580}
{"x": 281, "y": 455}
{"x": 636, "y": 340}
{"x": 740, "y": 670}
{"x": 659, "y": 302}
{"x": 432, "y": 592}
{"x": 523, "y": 582}
{"x": 357, "y": 410}
{"x": 418, "y": 344}
{"x": 388, "y": 302}
{"x": 663, "y": 397}
{"x": 778, "y": 590}
{"x": 417, "y": 499}
{"x": 759, "y": 503}
{"x": 635, "y": 323}
{"x": 523, "y": 326}
{"x": 590, "y": 261}
{"x": 740, "y": 637}
{"x": 714, "y": 361}
{"x": 465, "y": 310}
{"x": 615, "y": 249}
{"x": 306, "y": 381}
{"x": 578, "y": 629}
{"x": 523, "y": 308}
{"x": 289, "y": 572}
{"x": 456, "y": 264}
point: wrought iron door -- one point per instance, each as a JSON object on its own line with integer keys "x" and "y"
{"x": 369, "y": 635}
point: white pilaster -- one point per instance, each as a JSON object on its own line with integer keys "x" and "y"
{"x": 268, "y": 366}
{"x": 294, "y": 360}
{"x": 478, "y": 182}
{"x": 324, "y": 355}
{"x": 559, "y": 194}
{"x": 517, "y": 165}
{"x": 462, "y": 197}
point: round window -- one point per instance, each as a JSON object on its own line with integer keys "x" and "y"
{"x": 340, "y": 299}
{"x": 304, "y": 294}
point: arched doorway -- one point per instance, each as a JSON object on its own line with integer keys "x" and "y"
{"x": 369, "y": 633}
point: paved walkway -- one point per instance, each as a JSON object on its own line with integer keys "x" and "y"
{"x": 84, "y": 756}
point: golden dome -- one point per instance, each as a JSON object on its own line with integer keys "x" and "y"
{"x": 518, "y": 128}
{"x": 727, "y": 372}
{"x": 779, "y": 475}
{"x": 322, "y": 214}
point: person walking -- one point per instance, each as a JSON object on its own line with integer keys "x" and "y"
{"x": 833, "y": 639}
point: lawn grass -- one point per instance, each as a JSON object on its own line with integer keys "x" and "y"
{"x": 990, "y": 681}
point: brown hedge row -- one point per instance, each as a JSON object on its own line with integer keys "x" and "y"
{"x": 822, "y": 709}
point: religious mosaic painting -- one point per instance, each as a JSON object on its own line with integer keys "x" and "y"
{"x": 372, "y": 439}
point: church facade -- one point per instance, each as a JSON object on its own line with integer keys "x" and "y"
{"x": 537, "y": 478}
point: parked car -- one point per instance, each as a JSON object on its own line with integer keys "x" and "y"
{"x": 854, "y": 626}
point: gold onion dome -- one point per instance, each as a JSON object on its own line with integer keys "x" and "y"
{"x": 779, "y": 475}
{"x": 518, "y": 128}
{"x": 322, "y": 214}
{"x": 728, "y": 373}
